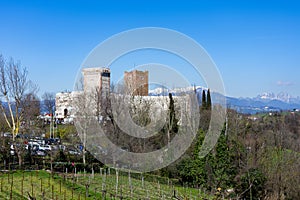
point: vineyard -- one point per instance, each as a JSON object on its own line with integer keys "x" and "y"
{"x": 104, "y": 184}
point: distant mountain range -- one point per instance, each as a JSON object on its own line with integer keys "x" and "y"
{"x": 266, "y": 102}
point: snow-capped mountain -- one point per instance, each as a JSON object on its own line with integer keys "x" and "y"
{"x": 265, "y": 102}
{"x": 282, "y": 96}
{"x": 175, "y": 91}
{"x": 266, "y": 95}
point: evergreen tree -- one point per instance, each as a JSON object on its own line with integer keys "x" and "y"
{"x": 203, "y": 100}
{"x": 208, "y": 103}
{"x": 216, "y": 169}
{"x": 173, "y": 122}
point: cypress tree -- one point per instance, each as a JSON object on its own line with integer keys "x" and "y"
{"x": 172, "y": 117}
{"x": 203, "y": 100}
{"x": 208, "y": 103}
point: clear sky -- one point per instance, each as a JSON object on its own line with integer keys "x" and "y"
{"x": 255, "y": 44}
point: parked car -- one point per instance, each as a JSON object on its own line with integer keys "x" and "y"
{"x": 45, "y": 147}
{"x": 35, "y": 147}
{"x": 40, "y": 152}
{"x": 74, "y": 152}
{"x": 7, "y": 134}
{"x": 53, "y": 141}
{"x": 33, "y": 142}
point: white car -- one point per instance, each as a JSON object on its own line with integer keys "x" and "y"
{"x": 32, "y": 143}
{"x": 45, "y": 147}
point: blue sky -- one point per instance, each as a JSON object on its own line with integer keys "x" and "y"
{"x": 255, "y": 44}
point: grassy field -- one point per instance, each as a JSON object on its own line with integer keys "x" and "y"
{"x": 42, "y": 185}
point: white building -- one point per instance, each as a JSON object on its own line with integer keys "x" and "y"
{"x": 63, "y": 102}
{"x": 64, "y": 108}
{"x": 94, "y": 80}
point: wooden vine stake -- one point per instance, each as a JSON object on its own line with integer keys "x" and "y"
{"x": 117, "y": 181}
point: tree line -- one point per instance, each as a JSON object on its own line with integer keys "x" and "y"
{"x": 256, "y": 157}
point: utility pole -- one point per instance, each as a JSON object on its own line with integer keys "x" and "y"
{"x": 50, "y": 126}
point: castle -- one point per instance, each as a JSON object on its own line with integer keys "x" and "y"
{"x": 97, "y": 80}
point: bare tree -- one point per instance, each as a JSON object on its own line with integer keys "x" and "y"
{"x": 85, "y": 114}
{"x": 14, "y": 86}
{"x": 85, "y": 109}
{"x": 49, "y": 106}
{"x": 98, "y": 98}
{"x": 30, "y": 110}
{"x": 49, "y": 102}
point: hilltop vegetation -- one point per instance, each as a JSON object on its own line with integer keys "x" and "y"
{"x": 256, "y": 156}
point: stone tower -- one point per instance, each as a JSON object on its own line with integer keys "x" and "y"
{"x": 136, "y": 82}
{"x": 96, "y": 79}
